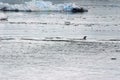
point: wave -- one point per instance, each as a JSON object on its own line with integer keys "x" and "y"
{"x": 50, "y": 39}
{"x": 6, "y": 38}
{"x": 38, "y": 5}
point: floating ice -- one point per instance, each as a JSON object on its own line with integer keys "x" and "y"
{"x": 38, "y": 5}
{"x": 3, "y": 16}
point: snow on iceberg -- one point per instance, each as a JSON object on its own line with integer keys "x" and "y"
{"x": 38, "y": 5}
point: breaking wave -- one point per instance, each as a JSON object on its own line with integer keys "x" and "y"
{"x": 38, "y": 5}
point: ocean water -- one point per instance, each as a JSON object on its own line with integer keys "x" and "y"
{"x": 100, "y": 22}
{"x": 48, "y": 45}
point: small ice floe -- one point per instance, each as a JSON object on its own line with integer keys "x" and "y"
{"x": 67, "y": 23}
{"x": 3, "y": 17}
{"x": 113, "y": 58}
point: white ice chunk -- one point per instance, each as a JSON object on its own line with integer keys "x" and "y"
{"x": 3, "y": 16}
{"x": 39, "y": 5}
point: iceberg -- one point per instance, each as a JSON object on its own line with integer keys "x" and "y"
{"x": 40, "y": 5}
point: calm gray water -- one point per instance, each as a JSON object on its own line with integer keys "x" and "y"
{"x": 40, "y": 46}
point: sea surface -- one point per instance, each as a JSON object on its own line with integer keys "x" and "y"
{"x": 49, "y": 45}
{"x": 100, "y": 22}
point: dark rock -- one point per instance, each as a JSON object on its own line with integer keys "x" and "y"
{"x": 5, "y": 9}
{"x": 79, "y": 10}
{"x": 113, "y": 58}
{"x": 67, "y": 23}
{"x": 4, "y": 19}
